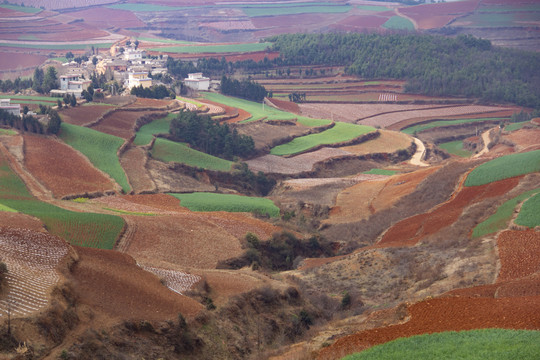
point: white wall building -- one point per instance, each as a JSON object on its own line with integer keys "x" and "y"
{"x": 15, "y": 109}
{"x": 137, "y": 79}
{"x": 197, "y": 81}
{"x": 71, "y": 84}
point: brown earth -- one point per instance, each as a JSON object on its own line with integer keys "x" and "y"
{"x": 387, "y": 142}
{"x": 113, "y": 283}
{"x": 154, "y": 103}
{"x": 265, "y": 135}
{"x": 411, "y": 230}
{"x": 82, "y": 115}
{"x": 285, "y": 105}
{"x": 524, "y": 138}
{"x": 19, "y": 61}
{"x": 431, "y": 16}
{"x": 105, "y": 18}
{"x": 133, "y": 162}
{"x": 21, "y": 221}
{"x": 120, "y": 123}
{"x": 61, "y": 169}
{"x": 519, "y": 252}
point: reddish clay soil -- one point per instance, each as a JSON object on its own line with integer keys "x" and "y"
{"x": 387, "y": 142}
{"x": 436, "y": 15}
{"x": 113, "y": 283}
{"x": 120, "y": 123}
{"x": 159, "y": 201}
{"x": 413, "y": 229}
{"x": 145, "y": 103}
{"x": 524, "y": 138}
{"x": 238, "y": 114}
{"x": 285, "y": 105}
{"x": 61, "y": 169}
{"x": 133, "y": 162}
{"x": 356, "y": 22}
{"x": 21, "y": 221}
{"x": 18, "y": 61}
{"x": 225, "y": 284}
{"x": 82, "y": 115}
{"x": 9, "y": 13}
{"x": 255, "y": 56}
{"x": 446, "y": 314}
{"x": 105, "y": 18}
{"x": 519, "y": 252}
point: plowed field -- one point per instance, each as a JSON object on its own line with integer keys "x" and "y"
{"x": 524, "y": 138}
{"x": 21, "y": 221}
{"x": 82, "y": 115}
{"x": 430, "y": 16}
{"x": 387, "y": 142}
{"x": 120, "y": 123}
{"x": 519, "y": 252}
{"x": 105, "y": 18}
{"x": 133, "y": 162}
{"x": 61, "y": 169}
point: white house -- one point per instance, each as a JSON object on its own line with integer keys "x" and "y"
{"x": 71, "y": 84}
{"x": 133, "y": 54}
{"x": 137, "y": 79}
{"x": 197, "y": 81}
{"x": 15, "y": 109}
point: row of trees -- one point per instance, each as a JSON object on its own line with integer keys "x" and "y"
{"x": 209, "y": 136}
{"x": 32, "y": 124}
{"x": 153, "y": 92}
{"x": 44, "y": 81}
{"x": 245, "y": 89}
{"x": 433, "y": 65}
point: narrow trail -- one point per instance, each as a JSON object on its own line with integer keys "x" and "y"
{"x": 396, "y": 10}
{"x": 485, "y": 139}
{"x": 419, "y": 154}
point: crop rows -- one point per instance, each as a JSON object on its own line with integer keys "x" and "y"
{"x": 177, "y": 281}
{"x": 387, "y": 97}
{"x": 31, "y": 259}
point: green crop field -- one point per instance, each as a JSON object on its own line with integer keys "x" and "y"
{"x": 166, "y": 150}
{"x": 509, "y": 8}
{"x": 158, "y": 126}
{"x": 380, "y": 172}
{"x": 258, "y": 112}
{"x": 84, "y": 229}
{"x": 24, "y": 9}
{"x": 99, "y": 148}
{"x": 339, "y": 133}
{"x": 67, "y": 46}
{"x": 492, "y": 344}
{"x": 516, "y": 126}
{"x": 146, "y": 7}
{"x": 227, "y": 202}
{"x": 456, "y": 148}
{"x": 502, "y": 217}
{"x": 529, "y": 215}
{"x": 495, "y": 19}
{"x": 291, "y": 10}
{"x": 504, "y": 167}
{"x": 7, "y": 132}
{"x": 167, "y": 41}
{"x": 28, "y": 97}
{"x": 418, "y": 128}
{"x": 398, "y": 22}
{"x": 198, "y": 49}
{"x": 6, "y": 208}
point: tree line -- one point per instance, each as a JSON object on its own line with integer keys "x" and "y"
{"x": 209, "y": 136}
{"x": 246, "y": 89}
{"x": 153, "y": 92}
{"x": 32, "y": 124}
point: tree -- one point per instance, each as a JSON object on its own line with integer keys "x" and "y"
{"x": 94, "y": 60}
{"x": 73, "y": 100}
{"x": 38, "y": 80}
{"x": 69, "y": 55}
{"x": 50, "y": 80}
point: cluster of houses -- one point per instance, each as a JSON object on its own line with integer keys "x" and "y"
{"x": 126, "y": 65}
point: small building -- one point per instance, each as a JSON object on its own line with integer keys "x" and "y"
{"x": 14, "y": 109}
{"x": 108, "y": 65}
{"x": 137, "y": 79}
{"x": 134, "y": 54}
{"x": 196, "y": 81}
{"x": 71, "y": 84}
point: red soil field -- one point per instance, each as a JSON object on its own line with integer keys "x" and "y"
{"x": 120, "y": 123}
{"x": 133, "y": 161}
{"x": 61, "y": 169}
{"x": 9, "y": 13}
{"x": 145, "y": 103}
{"x": 22, "y": 221}
{"x": 437, "y": 15}
{"x": 411, "y": 230}
{"x": 285, "y": 105}
{"x": 82, "y": 115}
{"x": 524, "y": 138}
{"x": 19, "y": 61}
{"x": 519, "y": 252}
{"x": 113, "y": 283}
{"x": 356, "y": 22}
{"x": 105, "y": 18}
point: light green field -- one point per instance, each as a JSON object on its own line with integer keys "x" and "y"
{"x": 213, "y": 49}
{"x": 380, "y": 172}
{"x": 191, "y": 101}
{"x": 227, "y": 202}
{"x": 492, "y": 344}
{"x": 27, "y": 97}
{"x": 158, "y": 126}
{"x": 456, "y": 148}
{"x": 166, "y": 41}
{"x": 375, "y": 8}
{"x": 24, "y": 9}
{"x": 516, "y": 126}
{"x": 339, "y": 133}
{"x": 502, "y": 217}
{"x": 504, "y": 167}
{"x": 495, "y": 19}
{"x": 5, "y": 208}
{"x": 398, "y": 22}
{"x": 84, "y": 229}
{"x": 257, "y": 112}
{"x": 166, "y": 150}
{"x": 418, "y": 128}
{"x": 39, "y": 45}
{"x": 99, "y": 148}
{"x": 7, "y": 132}
{"x": 62, "y": 59}
{"x": 146, "y": 7}
{"x": 529, "y": 215}
{"x": 292, "y": 10}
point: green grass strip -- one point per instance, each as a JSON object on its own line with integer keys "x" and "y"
{"x": 258, "y": 111}
{"x": 147, "y": 7}
{"x": 227, "y": 202}
{"x": 198, "y": 49}
{"x": 167, "y": 41}
{"x": 292, "y": 10}
{"x": 516, "y": 126}
{"x": 418, "y": 128}
{"x": 502, "y": 216}
{"x": 380, "y": 172}
{"x": 398, "y": 22}
{"x": 191, "y": 101}
{"x": 456, "y": 148}
{"x": 167, "y": 150}
{"x": 99, "y": 148}
{"x": 529, "y": 215}
{"x": 339, "y": 133}
{"x": 5, "y": 208}
{"x": 28, "y": 97}
{"x": 7, "y": 132}
{"x": 146, "y": 132}
{"x": 375, "y": 8}
{"x": 492, "y": 344}
{"x": 24, "y": 9}
{"x": 58, "y": 47}
{"x": 504, "y": 167}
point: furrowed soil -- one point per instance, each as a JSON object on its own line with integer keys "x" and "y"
{"x": 133, "y": 162}
{"x": 266, "y": 135}
{"x": 61, "y": 169}
{"x": 120, "y": 123}
{"x": 83, "y": 115}
{"x": 387, "y": 142}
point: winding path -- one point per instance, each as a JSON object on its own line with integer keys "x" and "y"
{"x": 419, "y": 154}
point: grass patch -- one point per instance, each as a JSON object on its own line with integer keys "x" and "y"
{"x": 495, "y": 19}
{"x": 339, "y": 133}
{"x": 418, "y": 128}
{"x": 502, "y": 216}
{"x": 166, "y": 41}
{"x": 28, "y": 97}
{"x": 24, "y": 9}
{"x": 493, "y": 344}
{"x": 126, "y": 212}
{"x": 198, "y": 49}
{"x": 516, "y": 126}
{"x": 456, "y": 148}
{"x": 159, "y": 126}
{"x": 375, "y": 8}
{"x": 83, "y": 229}
{"x": 398, "y": 22}
{"x": 167, "y": 150}
{"x": 504, "y": 167}
{"x": 529, "y": 215}
{"x": 67, "y": 46}
{"x": 258, "y": 112}
{"x": 5, "y": 208}
{"x": 99, "y": 148}
{"x": 227, "y": 202}
{"x": 62, "y": 59}
{"x": 7, "y": 132}
{"x": 380, "y": 172}
{"x": 191, "y": 101}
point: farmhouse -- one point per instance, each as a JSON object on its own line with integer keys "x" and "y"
{"x": 71, "y": 84}
{"x": 134, "y": 54}
{"x": 196, "y": 81}
{"x": 15, "y": 109}
{"x": 138, "y": 79}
